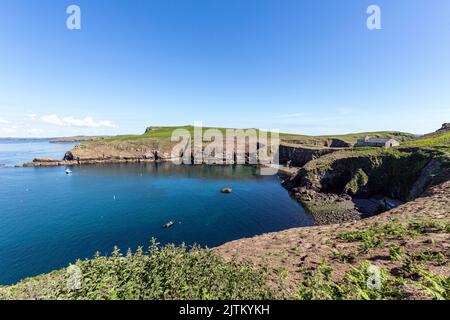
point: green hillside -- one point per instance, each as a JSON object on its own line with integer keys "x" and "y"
{"x": 438, "y": 141}
{"x": 166, "y": 133}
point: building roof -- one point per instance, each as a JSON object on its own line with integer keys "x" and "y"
{"x": 378, "y": 140}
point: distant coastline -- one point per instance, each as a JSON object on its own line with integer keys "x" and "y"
{"x": 58, "y": 139}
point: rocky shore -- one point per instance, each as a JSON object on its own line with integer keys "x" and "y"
{"x": 39, "y": 162}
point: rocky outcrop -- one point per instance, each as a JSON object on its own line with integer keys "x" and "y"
{"x": 318, "y": 142}
{"x": 350, "y": 184}
{"x": 118, "y": 150}
{"x": 298, "y": 156}
{"x": 48, "y": 160}
{"x": 445, "y": 128}
{"x": 153, "y": 149}
{"x": 84, "y": 162}
{"x": 433, "y": 173}
{"x": 363, "y": 173}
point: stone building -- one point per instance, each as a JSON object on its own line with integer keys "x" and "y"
{"x": 377, "y": 142}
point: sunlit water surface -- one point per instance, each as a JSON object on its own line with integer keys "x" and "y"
{"x": 49, "y": 219}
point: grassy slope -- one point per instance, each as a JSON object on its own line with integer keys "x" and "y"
{"x": 417, "y": 152}
{"x": 353, "y": 137}
{"x": 438, "y": 141}
{"x": 166, "y": 133}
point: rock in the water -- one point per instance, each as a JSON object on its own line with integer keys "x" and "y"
{"x": 44, "y": 160}
{"x": 226, "y": 190}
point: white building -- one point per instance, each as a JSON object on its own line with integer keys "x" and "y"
{"x": 377, "y": 142}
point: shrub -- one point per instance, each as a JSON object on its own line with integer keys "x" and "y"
{"x": 169, "y": 272}
{"x": 319, "y": 285}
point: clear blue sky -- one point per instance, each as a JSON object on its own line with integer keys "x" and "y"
{"x": 308, "y": 67}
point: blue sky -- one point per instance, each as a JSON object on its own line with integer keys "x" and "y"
{"x": 308, "y": 67}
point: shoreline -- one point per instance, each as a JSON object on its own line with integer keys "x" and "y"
{"x": 44, "y": 162}
{"x": 340, "y": 209}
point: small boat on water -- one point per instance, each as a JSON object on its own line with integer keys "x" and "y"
{"x": 169, "y": 224}
{"x": 68, "y": 171}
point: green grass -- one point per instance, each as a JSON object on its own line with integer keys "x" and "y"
{"x": 353, "y": 137}
{"x": 319, "y": 285}
{"x": 439, "y": 142}
{"x": 400, "y": 230}
{"x": 395, "y": 253}
{"x": 165, "y": 132}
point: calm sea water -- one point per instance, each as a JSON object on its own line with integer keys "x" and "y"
{"x": 14, "y": 152}
{"x": 49, "y": 219}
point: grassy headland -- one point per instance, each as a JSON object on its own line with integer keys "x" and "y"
{"x": 166, "y": 133}
{"x": 156, "y": 143}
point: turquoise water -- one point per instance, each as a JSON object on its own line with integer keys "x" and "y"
{"x": 49, "y": 219}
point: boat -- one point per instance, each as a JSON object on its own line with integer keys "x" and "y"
{"x": 226, "y": 190}
{"x": 169, "y": 224}
{"x": 68, "y": 171}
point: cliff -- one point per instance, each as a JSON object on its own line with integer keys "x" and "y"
{"x": 357, "y": 182}
{"x": 299, "y": 155}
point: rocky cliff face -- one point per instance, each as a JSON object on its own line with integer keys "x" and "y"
{"x": 139, "y": 150}
{"x": 365, "y": 173}
{"x": 299, "y": 156}
{"x": 145, "y": 149}
{"x": 318, "y": 142}
{"x": 445, "y": 128}
{"x": 352, "y": 184}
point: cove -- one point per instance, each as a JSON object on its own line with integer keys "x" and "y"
{"x": 50, "y": 219}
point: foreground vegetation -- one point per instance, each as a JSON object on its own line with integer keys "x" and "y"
{"x": 160, "y": 273}
{"x": 408, "y": 271}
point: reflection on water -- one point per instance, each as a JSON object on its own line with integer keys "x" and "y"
{"x": 168, "y": 169}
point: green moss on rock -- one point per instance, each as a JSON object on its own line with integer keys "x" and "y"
{"x": 358, "y": 182}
